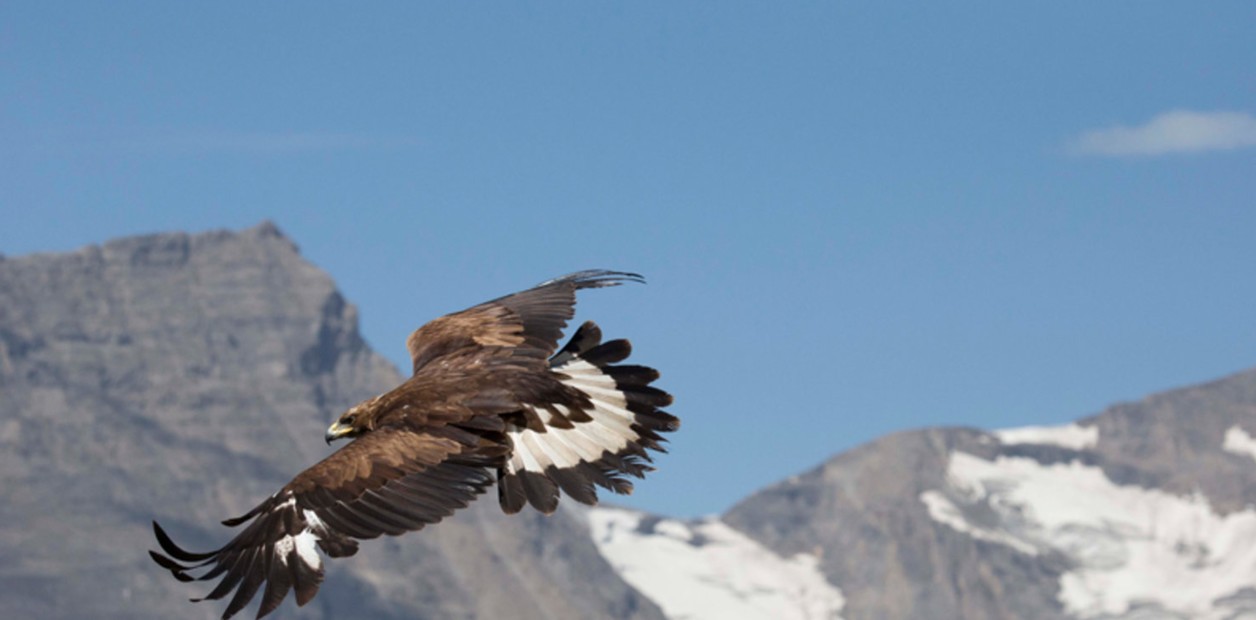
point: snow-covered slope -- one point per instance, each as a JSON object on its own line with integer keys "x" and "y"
{"x": 1146, "y": 511}
{"x": 708, "y": 570}
{"x": 1129, "y": 549}
{"x": 1239, "y": 442}
{"x": 1071, "y": 436}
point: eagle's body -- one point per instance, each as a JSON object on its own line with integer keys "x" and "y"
{"x": 489, "y": 401}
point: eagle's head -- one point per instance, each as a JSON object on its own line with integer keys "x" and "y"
{"x": 357, "y": 420}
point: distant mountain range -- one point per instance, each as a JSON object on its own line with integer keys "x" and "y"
{"x": 185, "y": 377}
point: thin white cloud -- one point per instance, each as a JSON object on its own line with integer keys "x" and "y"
{"x": 1177, "y": 131}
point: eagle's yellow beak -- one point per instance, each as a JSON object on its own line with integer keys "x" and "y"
{"x": 336, "y": 431}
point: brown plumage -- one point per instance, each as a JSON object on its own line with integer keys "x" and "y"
{"x": 490, "y": 400}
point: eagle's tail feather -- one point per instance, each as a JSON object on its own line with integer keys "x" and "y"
{"x": 597, "y": 433}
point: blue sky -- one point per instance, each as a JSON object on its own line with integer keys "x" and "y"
{"x": 856, "y": 217}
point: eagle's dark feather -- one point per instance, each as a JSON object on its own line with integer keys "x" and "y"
{"x": 490, "y": 400}
{"x": 524, "y": 326}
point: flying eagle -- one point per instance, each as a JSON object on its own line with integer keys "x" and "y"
{"x": 490, "y": 400}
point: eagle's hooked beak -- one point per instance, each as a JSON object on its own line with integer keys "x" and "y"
{"x": 336, "y": 431}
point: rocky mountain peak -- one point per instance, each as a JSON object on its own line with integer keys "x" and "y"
{"x": 185, "y": 378}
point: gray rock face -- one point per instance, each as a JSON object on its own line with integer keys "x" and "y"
{"x": 864, "y": 513}
{"x": 184, "y": 379}
{"x": 1173, "y": 441}
{"x": 861, "y": 513}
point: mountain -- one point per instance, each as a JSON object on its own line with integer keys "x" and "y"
{"x": 184, "y": 378}
{"x": 1144, "y": 511}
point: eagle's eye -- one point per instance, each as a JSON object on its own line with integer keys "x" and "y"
{"x": 348, "y": 421}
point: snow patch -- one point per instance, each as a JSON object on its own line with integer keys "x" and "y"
{"x": 1239, "y": 442}
{"x": 944, "y": 511}
{"x": 1071, "y": 436}
{"x": 706, "y": 569}
{"x": 1131, "y": 548}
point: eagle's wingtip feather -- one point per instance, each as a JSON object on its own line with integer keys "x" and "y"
{"x": 597, "y": 278}
{"x": 174, "y": 550}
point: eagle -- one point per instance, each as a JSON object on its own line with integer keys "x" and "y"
{"x": 491, "y": 399}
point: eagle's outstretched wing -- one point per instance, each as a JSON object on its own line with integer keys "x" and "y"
{"x": 524, "y": 326}
{"x": 484, "y": 404}
{"x": 590, "y": 428}
{"x": 593, "y": 431}
{"x": 387, "y": 482}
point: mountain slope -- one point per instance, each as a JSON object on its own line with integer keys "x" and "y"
{"x": 706, "y": 569}
{"x": 186, "y": 377}
{"x": 1142, "y": 511}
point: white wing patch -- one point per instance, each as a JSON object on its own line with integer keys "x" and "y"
{"x": 307, "y": 549}
{"x": 311, "y": 518}
{"x": 305, "y": 543}
{"x": 610, "y": 429}
{"x": 306, "y": 546}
